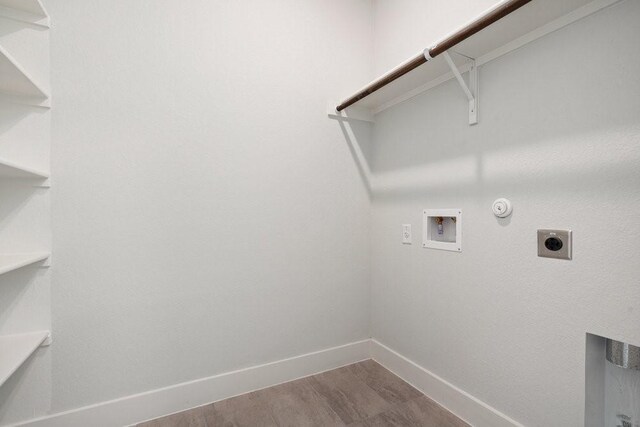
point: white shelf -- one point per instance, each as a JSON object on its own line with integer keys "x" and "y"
{"x": 33, "y": 7}
{"x": 11, "y": 170}
{"x": 16, "y": 349}
{"x": 15, "y": 80}
{"x": 530, "y": 22}
{"x": 17, "y": 85}
{"x": 10, "y": 262}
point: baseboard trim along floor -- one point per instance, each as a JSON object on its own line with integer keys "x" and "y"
{"x": 457, "y": 401}
{"x": 156, "y": 403}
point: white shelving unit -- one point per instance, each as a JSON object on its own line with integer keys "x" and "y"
{"x": 16, "y": 349}
{"x": 10, "y": 262}
{"x": 17, "y": 81}
{"x": 530, "y": 22}
{"x": 18, "y": 86}
{"x": 30, "y": 6}
{"x": 12, "y": 170}
{"x": 29, "y": 11}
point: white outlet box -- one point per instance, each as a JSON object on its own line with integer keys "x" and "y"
{"x": 442, "y": 229}
{"x": 406, "y": 234}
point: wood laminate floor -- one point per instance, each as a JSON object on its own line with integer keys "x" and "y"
{"x": 362, "y": 394}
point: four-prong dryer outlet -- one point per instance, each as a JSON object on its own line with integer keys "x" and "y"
{"x": 555, "y": 244}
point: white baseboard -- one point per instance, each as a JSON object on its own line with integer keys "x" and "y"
{"x": 156, "y": 403}
{"x": 459, "y": 402}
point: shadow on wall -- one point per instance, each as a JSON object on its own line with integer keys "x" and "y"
{"x": 546, "y": 165}
{"x": 358, "y": 136}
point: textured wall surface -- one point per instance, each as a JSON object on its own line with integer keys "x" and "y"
{"x": 559, "y": 135}
{"x": 207, "y": 216}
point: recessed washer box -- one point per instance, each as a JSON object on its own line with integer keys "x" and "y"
{"x": 442, "y": 229}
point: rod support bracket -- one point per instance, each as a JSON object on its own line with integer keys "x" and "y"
{"x": 470, "y": 91}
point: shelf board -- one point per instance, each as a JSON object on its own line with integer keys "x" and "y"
{"x": 530, "y": 22}
{"x": 9, "y": 169}
{"x": 16, "y": 349}
{"x": 10, "y": 262}
{"x": 15, "y": 80}
{"x": 33, "y": 7}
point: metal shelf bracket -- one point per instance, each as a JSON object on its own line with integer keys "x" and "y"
{"x": 470, "y": 91}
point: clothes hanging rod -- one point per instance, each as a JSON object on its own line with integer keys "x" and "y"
{"x": 464, "y": 33}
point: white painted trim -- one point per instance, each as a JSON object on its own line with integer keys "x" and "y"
{"x": 156, "y": 403}
{"x": 165, "y": 401}
{"x": 457, "y": 401}
{"x": 570, "y": 18}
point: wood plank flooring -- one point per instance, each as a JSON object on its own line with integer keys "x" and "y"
{"x": 360, "y": 395}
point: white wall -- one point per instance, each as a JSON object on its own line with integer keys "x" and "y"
{"x": 559, "y": 135}
{"x": 403, "y": 28}
{"x": 207, "y": 216}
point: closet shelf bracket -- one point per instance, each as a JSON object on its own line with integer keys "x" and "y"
{"x": 470, "y": 91}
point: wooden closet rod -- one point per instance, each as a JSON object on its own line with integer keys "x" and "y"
{"x": 482, "y": 22}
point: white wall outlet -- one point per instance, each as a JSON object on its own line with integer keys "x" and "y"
{"x": 406, "y": 234}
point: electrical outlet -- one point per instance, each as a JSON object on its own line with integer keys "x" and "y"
{"x": 406, "y": 234}
{"x": 554, "y": 244}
